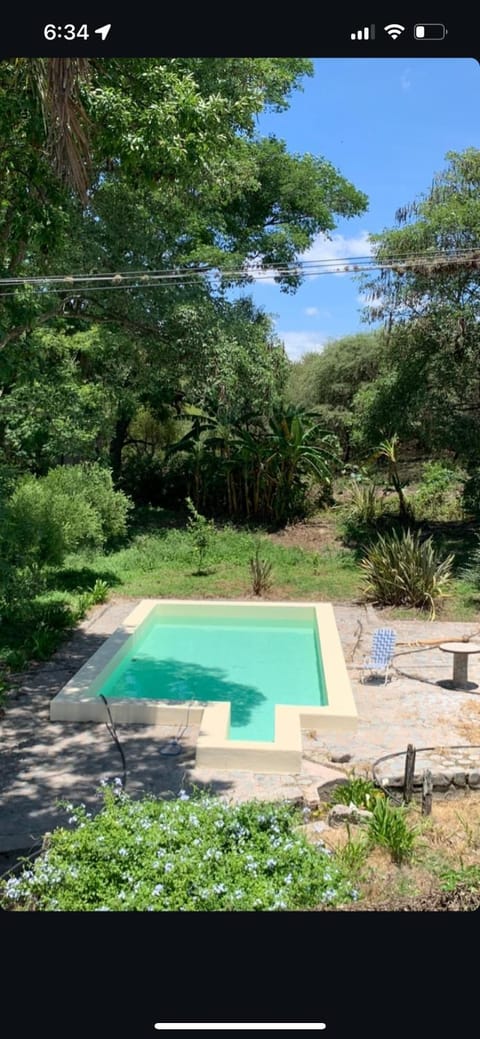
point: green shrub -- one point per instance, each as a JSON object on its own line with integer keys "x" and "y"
{"x": 73, "y": 507}
{"x": 201, "y": 531}
{"x": 358, "y": 790}
{"x": 32, "y": 536}
{"x": 99, "y": 592}
{"x": 88, "y": 489}
{"x": 261, "y": 572}
{"x": 471, "y": 494}
{"x": 143, "y": 480}
{"x": 364, "y": 505}
{"x": 388, "y": 828}
{"x": 471, "y": 572}
{"x": 352, "y": 855}
{"x": 191, "y": 854}
{"x": 404, "y": 570}
{"x": 438, "y": 496}
{"x": 465, "y": 876}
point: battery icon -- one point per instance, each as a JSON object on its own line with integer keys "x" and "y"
{"x": 430, "y": 31}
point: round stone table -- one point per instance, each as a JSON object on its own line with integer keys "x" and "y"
{"x": 461, "y": 652}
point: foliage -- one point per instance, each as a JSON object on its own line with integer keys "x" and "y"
{"x": 468, "y": 876}
{"x": 406, "y": 570}
{"x": 438, "y": 495}
{"x": 32, "y": 535}
{"x": 428, "y": 293}
{"x": 357, "y": 790}
{"x": 46, "y": 517}
{"x": 257, "y": 470}
{"x": 352, "y": 856}
{"x": 471, "y": 572}
{"x": 328, "y": 382}
{"x": 195, "y": 854}
{"x": 364, "y": 505}
{"x": 89, "y": 487}
{"x": 32, "y": 628}
{"x": 388, "y": 827}
{"x": 201, "y": 531}
{"x": 471, "y": 494}
{"x": 388, "y": 450}
{"x": 99, "y": 592}
{"x": 137, "y": 165}
{"x": 261, "y": 571}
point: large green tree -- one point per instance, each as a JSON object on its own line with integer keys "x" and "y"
{"x": 328, "y": 382}
{"x": 429, "y": 297}
{"x": 161, "y": 167}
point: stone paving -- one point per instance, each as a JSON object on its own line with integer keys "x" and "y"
{"x": 42, "y": 762}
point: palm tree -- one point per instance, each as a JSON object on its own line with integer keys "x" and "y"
{"x": 57, "y": 82}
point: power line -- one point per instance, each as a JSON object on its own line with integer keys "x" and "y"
{"x": 334, "y": 265}
{"x": 78, "y": 291}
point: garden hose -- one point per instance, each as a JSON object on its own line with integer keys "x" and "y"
{"x": 113, "y": 733}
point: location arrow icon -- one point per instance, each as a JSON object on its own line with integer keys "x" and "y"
{"x": 103, "y": 31}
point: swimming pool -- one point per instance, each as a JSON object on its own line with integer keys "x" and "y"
{"x": 251, "y": 674}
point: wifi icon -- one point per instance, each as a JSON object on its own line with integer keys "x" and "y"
{"x": 394, "y": 31}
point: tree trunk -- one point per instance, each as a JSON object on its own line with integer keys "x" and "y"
{"x": 117, "y": 444}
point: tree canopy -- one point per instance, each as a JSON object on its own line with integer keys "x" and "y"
{"x": 428, "y": 294}
{"x": 137, "y": 166}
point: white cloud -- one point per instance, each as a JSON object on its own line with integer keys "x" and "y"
{"x": 299, "y": 343}
{"x": 311, "y": 311}
{"x": 339, "y": 247}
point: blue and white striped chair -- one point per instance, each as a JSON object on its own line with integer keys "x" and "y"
{"x": 383, "y": 645}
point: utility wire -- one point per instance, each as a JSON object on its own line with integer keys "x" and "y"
{"x": 332, "y": 265}
{"x": 187, "y": 279}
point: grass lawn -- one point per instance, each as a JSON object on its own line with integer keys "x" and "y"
{"x": 308, "y": 562}
{"x": 164, "y": 564}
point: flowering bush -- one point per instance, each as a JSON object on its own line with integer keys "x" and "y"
{"x": 194, "y": 853}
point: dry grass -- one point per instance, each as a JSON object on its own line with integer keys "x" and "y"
{"x": 449, "y": 840}
{"x": 469, "y": 724}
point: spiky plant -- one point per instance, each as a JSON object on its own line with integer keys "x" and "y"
{"x": 404, "y": 570}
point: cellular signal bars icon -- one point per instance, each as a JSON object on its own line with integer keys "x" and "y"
{"x": 367, "y": 33}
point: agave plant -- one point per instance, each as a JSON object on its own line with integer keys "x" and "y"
{"x": 364, "y": 504}
{"x": 406, "y": 571}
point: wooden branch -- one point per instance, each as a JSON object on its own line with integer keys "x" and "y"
{"x": 18, "y": 331}
{"x": 438, "y": 642}
{"x": 409, "y": 773}
{"x": 427, "y": 792}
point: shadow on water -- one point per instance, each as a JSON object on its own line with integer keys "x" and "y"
{"x": 178, "y": 680}
{"x": 44, "y": 762}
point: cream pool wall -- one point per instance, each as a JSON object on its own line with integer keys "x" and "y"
{"x": 78, "y": 701}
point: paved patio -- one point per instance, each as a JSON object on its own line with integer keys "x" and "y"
{"x": 42, "y": 762}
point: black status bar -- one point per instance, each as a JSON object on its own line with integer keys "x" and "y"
{"x": 148, "y": 35}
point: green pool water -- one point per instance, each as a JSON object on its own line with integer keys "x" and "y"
{"x": 253, "y": 657}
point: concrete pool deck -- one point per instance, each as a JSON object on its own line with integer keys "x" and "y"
{"x": 79, "y": 701}
{"x": 42, "y": 762}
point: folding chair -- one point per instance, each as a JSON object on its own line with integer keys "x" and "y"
{"x": 383, "y": 645}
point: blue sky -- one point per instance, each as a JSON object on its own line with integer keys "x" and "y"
{"x": 386, "y": 124}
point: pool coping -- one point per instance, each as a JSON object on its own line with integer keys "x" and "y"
{"x": 76, "y": 702}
